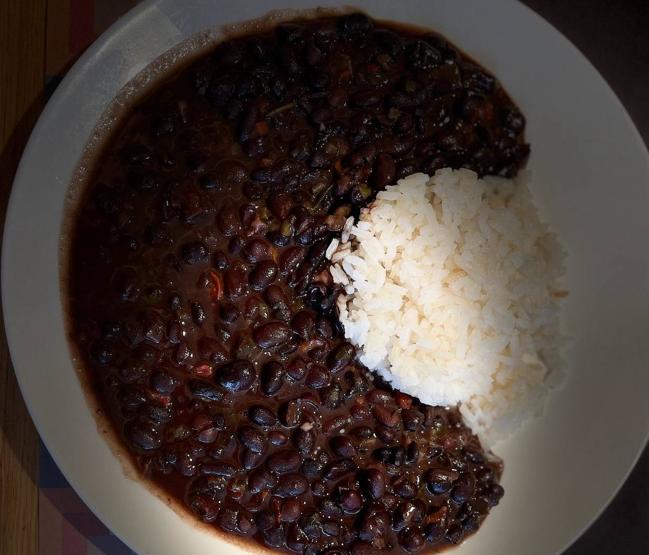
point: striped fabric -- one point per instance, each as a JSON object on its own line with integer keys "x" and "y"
{"x": 65, "y": 525}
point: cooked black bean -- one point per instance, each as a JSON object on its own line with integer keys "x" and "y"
{"x": 390, "y": 455}
{"x": 374, "y": 481}
{"x": 252, "y": 439}
{"x": 362, "y": 433}
{"x": 364, "y": 155}
{"x": 332, "y": 396}
{"x": 341, "y": 357}
{"x": 290, "y": 413}
{"x": 227, "y": 221}
{"x": 291, "y": 259}
{"x": 163, "y": 383}
{"x": 291, "y": 510}
{"x": 284, "y": 461}
{"x": 262, "y": 416}
{"x": 386, "y": 434}
{"x": 374, "y": 524}
{"x": 274, "y": 537}
{"x": 317, "y": 377}
{"x": 303, "y": 323}
{"x": 435, "y": 530}
{"x": 296, "y": 369}
{"x": 142, "y": 180}
{"x": 265, "y": 519}
{"x": 156, "y": 414}
{"x": 350, "y": 501}
{"x": 304, "y": 440}
{"x": 384, "y": 171}
{"x": 238, "y": 376}
{"x": 235, "y": 244}
{"x": 271, "y": 335}
{"x": 338, "y": 469}
{"x": 228, "y": 312}
{"x": 495, "y": 494}
{"x": 461, "y": 493}
{"x": 412, "y": 419}
{"x": 277, "y": 438}
{"x": 280, "y": 205}
{"x": 291, "y": 485}
{"x": 514, "y": 120}
{"x": 263, "y": 275}
{"x": 207, "y": 436}
{"x": 479, "y": 81}
{"x": 475, "y": 457}
{"x": 324, "y": 328}
{"x": 312, "y": 468}
{"x": 282, "y": 237}
{"x": 355, "y": 25}
{"x": 153, "y": 328}
{"x": 423, "y": 56}
{"x": 404, "y": 488}
{"x": 143, "y": 435}
{"x": 102, "y": 352}
{"x": 440, "y": 480}
{"x": 135, "y": 154}
{"x": 454, "y": 534}
{"x": 126, "y": 284}
{"x": 367, "y": 98}
{"x": 205, "y": 391}
{"x": 406, "y": 514}
{"x": 261, "y": 480}
{"x": 272, "y": 378}
{"x": 194, "y": 253}
{"x": 412, "y": 453}
{"x": 387, "y": 417}
{"x": 110, "y": 329}
{"x": 218, "y": 469}
{"x": 379, "y": 396}
{"x": 234, "y": 281}
{"x": 256, "y": 250}
{"x": 261, "y": 175}
{"x": 388, "y": 40}
{"x": 412, "y": 540}
{"x": 220, "y": 260}
{"x": 342, "y": 446}
{"x": 198, "y": 314}
{"x": 183, "y": 353}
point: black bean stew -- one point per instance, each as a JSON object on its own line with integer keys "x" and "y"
{"x": 202, "y": 305}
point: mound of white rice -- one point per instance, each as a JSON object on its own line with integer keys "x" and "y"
{"x": 452, "y": 295}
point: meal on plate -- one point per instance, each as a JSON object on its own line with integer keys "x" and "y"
{"x": 310, "y": 290}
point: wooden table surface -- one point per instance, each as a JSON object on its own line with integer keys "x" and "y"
{"x": 22, "y": 56}
{"x": 615, "y": 36}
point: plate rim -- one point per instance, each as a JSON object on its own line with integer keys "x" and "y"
{"x": 10, "y": 227}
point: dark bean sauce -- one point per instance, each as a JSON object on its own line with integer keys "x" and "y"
{"x": 202, "y": 305}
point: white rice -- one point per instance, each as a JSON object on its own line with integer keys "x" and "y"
{"x": 452, "y": 288}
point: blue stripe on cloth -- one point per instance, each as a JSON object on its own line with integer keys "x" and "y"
{"x": 49, "y": 476}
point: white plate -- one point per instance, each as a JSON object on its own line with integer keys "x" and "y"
{"x": 591, "y": 175}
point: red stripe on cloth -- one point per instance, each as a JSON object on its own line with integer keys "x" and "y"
{"x": 87, "y": 524}
{"x": 82, "y": 25}
{"x": 73, "y": 543}
{"x": 65, "y": 500}
{"x": 50, "y": 527}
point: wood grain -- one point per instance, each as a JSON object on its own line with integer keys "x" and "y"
{"x": 22, "y": 59}
{"x": 57, "y": 36}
